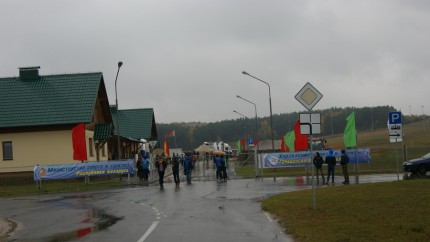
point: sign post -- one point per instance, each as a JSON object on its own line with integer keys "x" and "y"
{"x": 395, "y": 127}
{"x": 395, "y": 131}
{"x": 310, "y": 123}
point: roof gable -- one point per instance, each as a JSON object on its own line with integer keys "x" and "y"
{"x": 48, "y": 100}
{"x": 102, "y": 132}
{"x": 135, "y": 123}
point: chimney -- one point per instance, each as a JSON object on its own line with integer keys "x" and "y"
{"x": 29, "y": 73}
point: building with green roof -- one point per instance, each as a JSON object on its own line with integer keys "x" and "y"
{"x": 135, "y": 125}
{"x": 38, "y": 113}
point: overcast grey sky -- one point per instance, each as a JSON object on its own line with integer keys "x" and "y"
{"x": 185, "y": 58}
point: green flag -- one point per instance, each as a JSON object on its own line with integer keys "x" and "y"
{"x": 289, "y": 138}
{"x": 239, "y": 147}
{"x": 350, "y": 133}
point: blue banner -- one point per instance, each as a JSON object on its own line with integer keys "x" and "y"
{"x": 67, "y": 171}
{"x": 293, "y": 159}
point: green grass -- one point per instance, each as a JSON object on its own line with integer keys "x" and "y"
{"x": 415, "y": 134}
{"x": 391, "y": 211}
{"x": 56, "y": 186}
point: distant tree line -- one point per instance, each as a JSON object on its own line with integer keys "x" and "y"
{"x": 191, "y": 135}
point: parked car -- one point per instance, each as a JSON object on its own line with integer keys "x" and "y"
{"x": 418, "y": 166}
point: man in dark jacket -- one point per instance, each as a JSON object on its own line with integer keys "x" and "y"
{"x": 161, "y": 165}
{"x": 344, "y": 160}
{"x": 139, "y": 168}
{"x": 318, "y": 163}
{"x": 330, "y": 160}
{"x": 175, "y": 169}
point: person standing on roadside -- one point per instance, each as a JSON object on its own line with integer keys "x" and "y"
{"x": 218, "y": 164}
{"x": 344, "y": 160}
{"x": 139, "y": 168}
{"x": 161, "y": 166}
{"x": 330, "y": 160}
{"x": 175, "y": 169}
{"x": 145, "y": 168}
{"x": 188, "y": 163}
{"x": 318, "y": 163}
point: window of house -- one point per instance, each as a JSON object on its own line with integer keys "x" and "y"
{"x": 91, "y": 148}
{"x": 7, "y": 150}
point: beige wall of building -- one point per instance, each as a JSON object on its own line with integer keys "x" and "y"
{"x": 45, "y": 148}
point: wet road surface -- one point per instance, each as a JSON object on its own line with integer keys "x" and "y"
{"x": 203, "y": 211}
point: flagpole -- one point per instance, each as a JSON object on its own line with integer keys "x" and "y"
{"x": 356, "y": 145}
{"x": 403, "y": 153}
{"x": 356, "y": 153}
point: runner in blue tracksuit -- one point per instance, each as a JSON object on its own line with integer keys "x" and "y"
{"x": 330, "y": 160}
{"x": 145, "y": 168}
{"x": 188, "y": 167}
{"x": 218, "y": 164}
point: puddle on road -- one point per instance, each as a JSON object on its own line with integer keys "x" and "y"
{"x": 100, "y": 219}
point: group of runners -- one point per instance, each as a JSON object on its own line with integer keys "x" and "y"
{"x": 221, "y": 163}
{"x": 187, "y": 160}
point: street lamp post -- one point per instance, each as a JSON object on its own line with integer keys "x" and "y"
{"x": 255, "y": 107}
{"x": 117, "y": 110}
{"x": 270, "y": 103}
{"x": 246, "y": 125}
{"x": 256, "y": 166}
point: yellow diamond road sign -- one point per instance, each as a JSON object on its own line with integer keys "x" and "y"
{"x": 308, "y": 96}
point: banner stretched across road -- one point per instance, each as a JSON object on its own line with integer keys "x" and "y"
{"x": 68, "y": 171}
{"x": 294, "y": 159}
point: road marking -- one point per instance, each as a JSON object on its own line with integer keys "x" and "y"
{"x": 149, "y": 231}
{"x": 268, "y": 217}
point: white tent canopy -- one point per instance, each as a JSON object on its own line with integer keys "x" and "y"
{"x": 204, "y": 148}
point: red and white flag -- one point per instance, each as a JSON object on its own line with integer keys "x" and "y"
{"x": 168, "y": 134}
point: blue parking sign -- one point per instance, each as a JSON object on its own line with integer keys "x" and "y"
{"x": 395, "y": 117}
{"x": 250, "y": 141}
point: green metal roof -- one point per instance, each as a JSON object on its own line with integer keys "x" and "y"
{"x": 48, "y": 100}
{"x": 135, "y": 123}
{"x": 102, "y": 132}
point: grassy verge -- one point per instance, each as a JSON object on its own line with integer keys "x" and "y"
{"x": 391, "y": 211}
{"x": 56, "y": 186}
